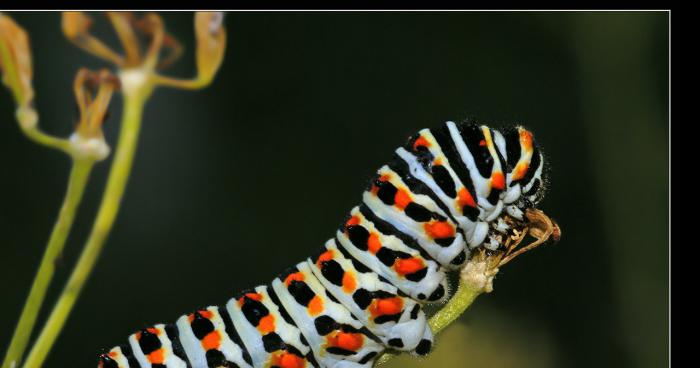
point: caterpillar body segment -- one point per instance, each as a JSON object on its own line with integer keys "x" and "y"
{"x": 446, "y": 194}
{"x": 267, "y": 335}
{"x": 424, "y": 159}
{"x": 336, "y": 337}
{"x": 152, "y": 347}
{"x": 205, "y": 338}
{"x": 524, "y": 165}
{"x": 385, "y": 253}
{"x": 477, "y": 153}
{"x": 417, "y": 216}
{"x": 393, "y": 318}
{"x": 118, "y": 357}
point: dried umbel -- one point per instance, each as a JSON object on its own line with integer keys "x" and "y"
{"x": 93, "y": 92}
{"x": 159, "y": 50}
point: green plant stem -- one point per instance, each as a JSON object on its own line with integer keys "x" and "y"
{"x": 460, "y": 302}
{"x": 116, "y": 183}
{"x": 44, "y": 139}
{"x": 80, "y": 172}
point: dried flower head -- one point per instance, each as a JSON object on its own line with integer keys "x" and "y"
{"x": 93, "y": 108}
{"x": 160, "y": 49}
{"x": 93, "y": 92}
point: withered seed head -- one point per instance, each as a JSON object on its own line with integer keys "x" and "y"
{"x": 161, "y": 49}
{"x": 93, "y": 92}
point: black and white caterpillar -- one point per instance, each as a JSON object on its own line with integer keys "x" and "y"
{"x": 446, "y": 193}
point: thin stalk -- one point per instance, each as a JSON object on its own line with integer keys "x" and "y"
{"x": 80, "y": 172}
{"x": 460, "y": 302}
{"x": 44, "y": 139}
{"x": 111, "y": 200}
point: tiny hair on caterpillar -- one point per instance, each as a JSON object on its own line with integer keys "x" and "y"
{"x": 448, "y": 194}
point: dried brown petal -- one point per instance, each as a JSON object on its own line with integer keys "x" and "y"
{"x": 76, "y": 27}
{"x": 75, "y": 24}
{"x": 211, "y": 44}
{"x": 16, "y": 61}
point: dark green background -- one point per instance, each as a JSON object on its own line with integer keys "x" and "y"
{"x": 236, "y": 182}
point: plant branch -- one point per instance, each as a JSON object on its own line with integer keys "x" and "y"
{"x": 79, "y": 175}
{"x": 135, "y": 98}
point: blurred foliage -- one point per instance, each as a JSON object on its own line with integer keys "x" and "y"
{"x": 235, "y": 183}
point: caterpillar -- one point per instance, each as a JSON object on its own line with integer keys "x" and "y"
{"x": 446, "y": 194}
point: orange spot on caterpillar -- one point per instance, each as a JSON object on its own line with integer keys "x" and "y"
{"x": 526, "y": 139}
{"x": 482, "y": 143}
{"x": 157, "y": 356}
{"x": 402, "y": 198}
{"x": 353, "y": 221}
{"x": 387, "y": 306}
{"x": 346, "y": 340}
{"x": 211, "y": 341}
{"x": 113, "y": 354}
{"x": 373, "y": 243}
{"x": 520, "y": 171}
{"x": 287, "y": 360}
{"x": 297, "y": 276}
{"x": 408, "y": 265}
{"x": 375, "y": 189}
{"x": 437, "y": 162}
{"x": 464, "y": 198}
{"x": 266, "y": 324}
{"x": 153, "y": 331}
{"x": 498, "y": 181}
{"x": 324, "y": 257}
{"x": 439, "y": 229}
{"x": 252, "y": 296}
{"x": 204, "y": 313}
{"x": 420, "y": 142}
{"x": 349, "y": 283}
{"x": 315, "y": 306}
